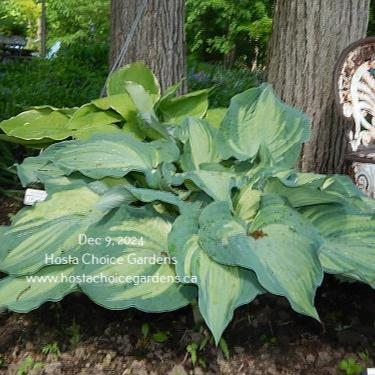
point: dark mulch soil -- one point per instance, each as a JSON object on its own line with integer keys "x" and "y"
{"x": 8, "y": 207}
{"x": 265, "y": 337}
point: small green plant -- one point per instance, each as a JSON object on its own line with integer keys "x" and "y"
{"x": 75, "y": 335}
{"x": 27, "y": 365}
{"x": 160, "y": 336}
{"x": 145, "y": 329}
{"x": 192, "y": 349}
{"x": 350, "y": 366}
{"x": 52, "y": 348}
{"x": 224, "y": 347}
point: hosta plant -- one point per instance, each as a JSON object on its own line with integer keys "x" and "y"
{"x": 117, "y": 113}
{"x": 181, "y": 210}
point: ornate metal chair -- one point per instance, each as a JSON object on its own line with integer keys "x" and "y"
{"x": 355, "y": 96}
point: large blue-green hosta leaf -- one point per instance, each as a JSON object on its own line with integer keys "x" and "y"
{"x": 51, "y": 230}
{"x": 221, "y": 289}
{"x": 37, "y": 169}
{"x": 285, "y": 261}
{"x": 257, "y": 117}
{"x": 349, "y": 241}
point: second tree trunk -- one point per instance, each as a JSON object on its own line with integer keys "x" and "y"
{"x": 159, "y": 39}
{"x": 308, "y": 37}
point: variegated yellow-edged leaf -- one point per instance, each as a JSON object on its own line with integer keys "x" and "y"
{"x": 199, "y": 147}
{"x": 38, "y": 124}
{"x": 109, "y": 155}
{"x": 257, "y": 117}
{"x": 305, "y": 189}
{"x": 49, "y": 229}
{"x": 349, "y": 241}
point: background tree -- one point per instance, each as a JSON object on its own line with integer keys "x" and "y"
{"x": 159, "y": 39}
{"x": 42, "y": 29}
{"x": 308, "y": 37}
{"x": 79, "y": 19}
{"x": 229, "y": 30}
{"x": 19, "y": 17}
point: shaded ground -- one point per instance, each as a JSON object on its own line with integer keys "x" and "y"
{"x": 8, "y": 207}
{"x": 266, "y": 337}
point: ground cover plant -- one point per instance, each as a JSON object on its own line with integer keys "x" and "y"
{"x": 181, "y": 203}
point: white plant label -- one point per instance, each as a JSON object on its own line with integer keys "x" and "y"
{"x": 34, "y": 195}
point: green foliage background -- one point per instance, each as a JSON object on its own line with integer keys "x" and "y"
{"x": 19, "y": 17}
{"x": 217, "y": 28}
{"x": 220, "y": 34}
{"x": 75, "y": 76}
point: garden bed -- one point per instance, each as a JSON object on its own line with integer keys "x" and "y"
{"x": 266, "y": 337}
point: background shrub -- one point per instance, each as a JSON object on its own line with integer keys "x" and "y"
{"x": 74, "y": 77}
{"x": 225, "y": 83}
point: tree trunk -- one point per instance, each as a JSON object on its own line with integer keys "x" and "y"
{"x": 159, "y": 39}
{"x": 42, "y": 30}
{"x": 308, "y": 37}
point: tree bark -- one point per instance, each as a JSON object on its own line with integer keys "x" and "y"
{"x": 159, "y": 39}
{"x": 42, "y": 30}
{"x": 308, "y": 37}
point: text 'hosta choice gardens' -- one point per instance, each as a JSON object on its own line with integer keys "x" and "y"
{"x": 154, "y": 202}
